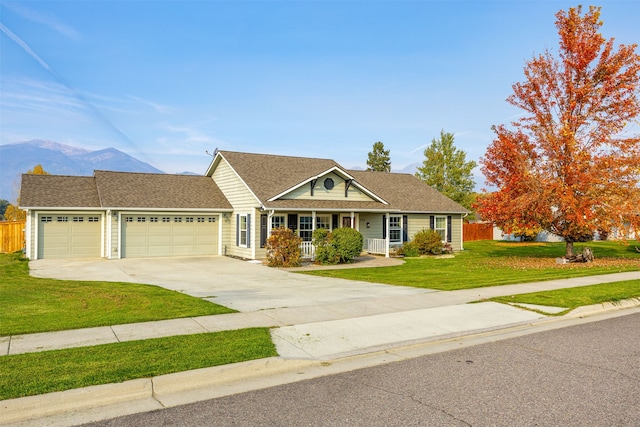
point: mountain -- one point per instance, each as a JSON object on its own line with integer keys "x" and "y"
{"x": 59, "y": 159}
{"x": 410, "y": 169}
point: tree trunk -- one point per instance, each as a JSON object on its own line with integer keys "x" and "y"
{"x": 569, "y": 250}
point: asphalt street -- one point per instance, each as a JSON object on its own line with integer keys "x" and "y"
{"x": 585, "y": 375}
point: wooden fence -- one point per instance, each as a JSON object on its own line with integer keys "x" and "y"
{"x": 471, "y": 232}
{"x": 11, "y": 236}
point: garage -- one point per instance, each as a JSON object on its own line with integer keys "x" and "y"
{"x": 168, "y": 235}
{"x": 69, "y": 235}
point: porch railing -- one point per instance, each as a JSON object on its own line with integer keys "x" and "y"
{"x": 307, "y": 250}
{"x": 376, "y": 246}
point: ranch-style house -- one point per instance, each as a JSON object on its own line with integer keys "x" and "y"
{"x": 231, "y": 210}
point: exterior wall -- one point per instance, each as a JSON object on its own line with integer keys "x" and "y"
{"x": 321, "y": 193}
{"x": 416, "y": 223}
{"x": 243, "y": 203}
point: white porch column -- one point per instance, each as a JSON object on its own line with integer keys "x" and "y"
{"x": 353, "y": 220}
{"x": 387, "y": 238}
{"x": 313, "y": 223}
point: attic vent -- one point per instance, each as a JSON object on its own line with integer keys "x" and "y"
{"x": 328, "y": 183}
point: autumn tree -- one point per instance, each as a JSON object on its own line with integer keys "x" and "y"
{"x": 379, "y": 159}
{"x": 446, "y": 169}
{"x": 567, "y": 164}
{"x": 13, "y": 212}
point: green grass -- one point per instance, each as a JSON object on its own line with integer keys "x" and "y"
{"x": 29, "y": 304}
{"x": 37, "y": 373}
{"x": 577, "y": 297}
{"x": 493, "y": 263}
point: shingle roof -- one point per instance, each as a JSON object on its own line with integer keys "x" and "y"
{"x": 269, "y": 175}
{"x": 122, "y": 190}
{"x": 58, "y": 191}
{"x": 160, "y": 191}
{"x": 406, "y": 192}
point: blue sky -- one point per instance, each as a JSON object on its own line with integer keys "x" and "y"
{"x": 166, "y": 81}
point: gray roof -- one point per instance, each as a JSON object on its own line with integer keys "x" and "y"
{"x": 58, "y": 191}
{"x": 269, "y": 175}
{"x": 122, "y": 190}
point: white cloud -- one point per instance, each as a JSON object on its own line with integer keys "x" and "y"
{"x": 44, "y": 18}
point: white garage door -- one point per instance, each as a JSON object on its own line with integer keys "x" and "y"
{"x": 69, "y": 236}
{"x": 169, "y": 235}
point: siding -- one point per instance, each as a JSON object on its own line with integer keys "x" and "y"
{"x": 321, "y": 193}
{"x": 243, "y": 203}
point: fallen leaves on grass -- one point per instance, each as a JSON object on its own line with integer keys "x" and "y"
{"x": 519, "y": 263}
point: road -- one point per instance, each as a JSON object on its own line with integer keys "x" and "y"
{"x": 585, "y": 375}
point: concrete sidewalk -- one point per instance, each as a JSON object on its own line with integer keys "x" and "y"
{"x": 311, "y": 340}
{"x": 338, "y": 329}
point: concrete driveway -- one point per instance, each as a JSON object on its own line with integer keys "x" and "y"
{"x": 241, "y": 285}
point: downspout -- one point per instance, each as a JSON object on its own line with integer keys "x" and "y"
{"x": 387, "y": 237}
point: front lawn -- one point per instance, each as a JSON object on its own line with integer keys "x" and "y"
{"x": 577, "y": 297}
{"x": 29, "y": 304}
{"x": 37, "y": 373}
{"x": 493, "y": 263}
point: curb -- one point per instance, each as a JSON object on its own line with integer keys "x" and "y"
{"x": 153, "y": 393}
{"x": 146, "y": 394}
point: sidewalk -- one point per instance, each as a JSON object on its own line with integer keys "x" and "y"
{"x": 334, "y": 330}
{"x": 311, "y": 341}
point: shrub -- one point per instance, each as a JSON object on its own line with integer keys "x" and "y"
{"x": 427, "y": 242}
{"x": 408, "y": 249}
{"x": 283, "y": 248}
{"x": 326, "y": 252}
{"x": 348, "y": 243}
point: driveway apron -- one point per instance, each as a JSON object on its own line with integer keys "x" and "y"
{"x": 240, "y": 285}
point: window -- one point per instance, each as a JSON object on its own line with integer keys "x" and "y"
{"x": 153, "y": 219}
{"x": 188, "y": 219}
{"x": 63, "y": 219}
{"x": 328, "y": 183}
{"x": 242, "y": 230}
{"x": 211, "y": 219}
{"x": 441, "y": 227}
{"x": 323, "y": 221}
{"x": 78, "y": 219}
{"x": 166, "y": 219}
{"x": 45, "y": 219}
{"x": 128, "y": 219}
{"x": 94, "y": 219}
{"x": 277, "y": 221}
{"x": 395, "y": 229}
{"x": 177, "y": 219}
{"x": 306, "y": 228}
{"x": 200, "y": 219}
{"x": 142, "y": 219}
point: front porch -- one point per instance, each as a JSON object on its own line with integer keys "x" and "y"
{"x": 370, "y": 246}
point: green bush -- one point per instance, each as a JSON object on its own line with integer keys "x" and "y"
{"x": 408, "y": 249}
{"x": 348, "y": 243}
{"x": 283, "y": 248}
{"x": 427, "y": 242}
{"x": 338, "y": 247}
{"x": 326, "y": 252}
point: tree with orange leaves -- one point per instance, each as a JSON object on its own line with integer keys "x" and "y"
{"x": 567, "y": 165}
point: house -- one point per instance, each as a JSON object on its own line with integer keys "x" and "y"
{"x": 231, "y": 210}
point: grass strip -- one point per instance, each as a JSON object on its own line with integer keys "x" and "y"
{"x": 29, "y": 304}
{"x": 494, "y": 263}
{"x": 37, "y": 373}
{"x": 572, "y": 298}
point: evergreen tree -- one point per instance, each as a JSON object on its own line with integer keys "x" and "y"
{"x": 379, "y": 159}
